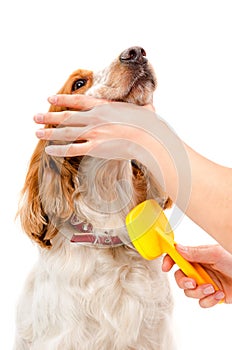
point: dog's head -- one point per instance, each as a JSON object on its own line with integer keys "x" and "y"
{"x": 130, "y": 78}
{"x": 51, "y": 182}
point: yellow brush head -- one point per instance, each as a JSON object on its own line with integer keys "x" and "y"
{"x": 142, "y": 225}
{"x": 151, "y": 234}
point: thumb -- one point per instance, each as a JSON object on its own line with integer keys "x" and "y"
{"x": 205, "y": 254}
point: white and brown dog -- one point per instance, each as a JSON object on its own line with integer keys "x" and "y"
{"x": 80, "y": 296}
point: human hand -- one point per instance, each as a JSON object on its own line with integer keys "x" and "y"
{"x": 101, "y": 128}
{"x": 217, "y": 262}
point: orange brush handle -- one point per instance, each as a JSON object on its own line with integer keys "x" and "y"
{"x": 152, "y": 236}
{"x": 192, "y": 270}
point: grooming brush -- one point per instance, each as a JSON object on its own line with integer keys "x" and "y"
{"x": 151, "y": 234}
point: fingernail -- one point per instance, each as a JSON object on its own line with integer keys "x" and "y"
{"x": 53, "y": 99}
{"x": 50, "y": 150}
{"x": 40, "y": 133}
{"x": 219, "y": 295}
{"x": 189, "y": 285}
{"x": 208, "y": 290}
{"x": 39, "y": 117}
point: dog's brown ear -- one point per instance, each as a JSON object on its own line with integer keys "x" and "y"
{"x": 168, "y": 203}
{"x": 33, "y": 218}
{"x": 146, "y": 186}
{"x": 47, "y": 195}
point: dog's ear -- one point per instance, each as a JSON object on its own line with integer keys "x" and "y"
{"x": 47, "y": 195}
{"x": 146, "y": 186}
{"x": 32, "y": 216}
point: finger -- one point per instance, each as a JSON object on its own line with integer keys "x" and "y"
{"x": 75, "y": 101}
{"x": 71, "y": 150}
{"x": 200, "y": 292}
{"x": 70, "y": 118}
{"x": 62, "y": 134}
{"x": 212, "y": 300}
{"x": 208, "y": 254}
{"x": 167, "y": 264}
{"x": 90, "y": 147}
{"x": 183, "y": 281}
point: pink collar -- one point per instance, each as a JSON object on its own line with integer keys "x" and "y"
{"x": 107, "y": 241}
{"x": 86, "y": 235}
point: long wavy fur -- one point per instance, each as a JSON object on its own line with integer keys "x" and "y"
{"x": 89, "y": 298}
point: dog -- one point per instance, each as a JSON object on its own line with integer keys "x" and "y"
{"x": 90, "y": 290}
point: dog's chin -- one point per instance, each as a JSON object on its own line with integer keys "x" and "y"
{"x": 133, "y": 84}
{"x": 139, "y": 94}
{"x": 140, "y": 86}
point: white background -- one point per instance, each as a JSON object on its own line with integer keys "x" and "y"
{"x": 42, "y": 42}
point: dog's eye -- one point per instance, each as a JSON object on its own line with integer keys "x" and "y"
{"x": 78, "y": 84}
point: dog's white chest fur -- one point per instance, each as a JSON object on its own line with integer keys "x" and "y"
{"x": 81, "y": 298}
{"x": 88, "y": 298}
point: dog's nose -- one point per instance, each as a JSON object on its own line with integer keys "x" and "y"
{"x": 134, "y": 54}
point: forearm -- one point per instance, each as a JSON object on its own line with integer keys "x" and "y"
{"x": 210, "y": 203}
{"x": 199, "y": 187}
